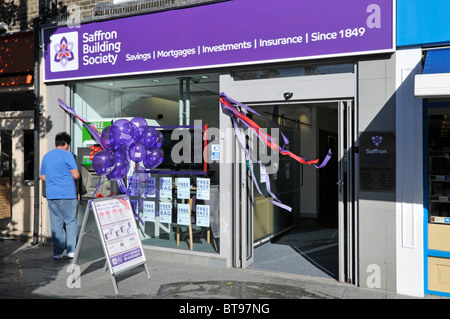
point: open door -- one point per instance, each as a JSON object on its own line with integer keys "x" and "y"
{"x": 346, "y": 212}
{"x": 243, "y": 212}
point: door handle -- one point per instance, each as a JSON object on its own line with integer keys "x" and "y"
{"x": 340, "y": 184}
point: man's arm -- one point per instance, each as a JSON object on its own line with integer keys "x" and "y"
{"x": 75, "y": 173}
{"x": 42, "y": 177}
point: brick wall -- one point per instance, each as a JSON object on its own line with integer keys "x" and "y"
{"x": 18, "y": 17}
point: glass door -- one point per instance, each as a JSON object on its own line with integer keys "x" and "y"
{"x": 243, "y": 212}
{"x": 346, "y": 212}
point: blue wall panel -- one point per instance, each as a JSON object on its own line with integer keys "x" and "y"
{"x": 423, "y": 22}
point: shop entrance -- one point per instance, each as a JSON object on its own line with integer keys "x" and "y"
{"x": 316, "y": 238}
{"x": 16, "y": 174}
{"x": 313, "y": 105}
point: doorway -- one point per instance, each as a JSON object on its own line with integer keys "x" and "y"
{"x": 16, "y": 174}
{"x": 316, "y": 237}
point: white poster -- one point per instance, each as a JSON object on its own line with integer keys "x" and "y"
{"x": 165, "y": 187}
{"x": 148, "y": 210}
{"x": 184, "y": 214}
{"x": 149, "y": 186}
{"x": 183, "y": 188}
{"x": 165, "y": 212}
{"x": 203, "y": 188}
{"x": 202, "y": 215}
{"x": 133, "y": 189}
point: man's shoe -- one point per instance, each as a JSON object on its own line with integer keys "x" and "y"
{"x": 59, "y": 256}
{"x": 70, "y": 255}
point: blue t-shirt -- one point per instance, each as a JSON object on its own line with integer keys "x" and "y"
{"x": 56, "y": 166}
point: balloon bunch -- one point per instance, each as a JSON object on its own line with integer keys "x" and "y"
{"x": 126, "y": 140}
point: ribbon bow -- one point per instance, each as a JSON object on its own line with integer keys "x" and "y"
{"x": 94, "y": 150}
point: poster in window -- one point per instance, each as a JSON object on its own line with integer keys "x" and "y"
{"x": 184, "y": 214}
{"x": 148, "y": 209}
{"x": 203, "y": 216}
{"x": 165, "y": 187}
{"x": 203, "y": 188}
{"x": 149, "y": 187}
{"x": 183, "y": 188}
{"x": 165, "y": 212}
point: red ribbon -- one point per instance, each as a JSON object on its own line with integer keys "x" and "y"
{"x": 101, "y": 196}
{"x": 94, "y": 149}
{"x": 263, "y": 135}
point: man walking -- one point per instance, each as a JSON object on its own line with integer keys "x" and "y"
{"x": 59, "y": 171}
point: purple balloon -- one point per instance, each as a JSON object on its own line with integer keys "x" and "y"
{"x": 160, "y": 139}
{"x": 120, "y": 170}
{"x": 111, "y": 138}
{"x": 126, "y": 129}
{"x": 153, "y": 158}
{"x": 103, "y": 162}
{"x": 141, "y": 124}
{"x": 138, "y": 152}
{"x": 136, "y": 136}
{"x": 149, "y": 137}
{"x": 122, "y": 151}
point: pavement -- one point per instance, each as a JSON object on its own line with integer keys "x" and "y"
{"x": 30, "y": 272}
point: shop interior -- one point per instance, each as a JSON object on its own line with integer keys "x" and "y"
{"x": 306, "y": 239}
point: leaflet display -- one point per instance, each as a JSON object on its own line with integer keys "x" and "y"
{"x": 119, "y": 235}
{"x": 116, "y": 232}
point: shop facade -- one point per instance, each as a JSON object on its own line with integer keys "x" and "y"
{"x": 326, "y": 77}
{"x": 425, "y": 102}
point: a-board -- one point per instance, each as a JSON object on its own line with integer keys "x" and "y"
{"x": 116, "y": 230}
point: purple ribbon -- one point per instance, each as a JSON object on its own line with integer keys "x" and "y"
{"x": 236, "y": 121}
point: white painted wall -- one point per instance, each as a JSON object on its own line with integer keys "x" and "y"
{"x": 409, "y": 206}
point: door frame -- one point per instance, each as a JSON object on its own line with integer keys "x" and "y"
{"x": 347, "y": 214}
{"x": 22, "y": 193}
{"x": 347, "y": 223}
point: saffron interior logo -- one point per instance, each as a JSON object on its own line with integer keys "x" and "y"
{"x": 64, "y": 52}
{"x": 377, "y": 140}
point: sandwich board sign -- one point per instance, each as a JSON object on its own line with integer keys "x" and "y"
{"x": 118, "y": 234}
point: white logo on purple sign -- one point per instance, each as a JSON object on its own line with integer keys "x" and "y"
{"x": 64, "y": 51}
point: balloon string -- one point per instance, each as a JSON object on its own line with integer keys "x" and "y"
{"x": 95, "y": 192}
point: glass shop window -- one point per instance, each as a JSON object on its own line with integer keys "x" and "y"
{"x": 177, "y": 202}
{"x": 439, "y": 165}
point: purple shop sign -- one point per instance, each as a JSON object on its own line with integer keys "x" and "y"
{"x": 228, "y": 33}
